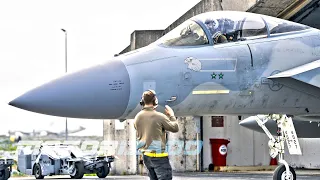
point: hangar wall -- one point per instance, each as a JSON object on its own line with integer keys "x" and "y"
{"x": 310, "y": 154}
{"x": 271, "y": 7}
{"x": 184, "y": 147}
{"x": 249, "y": 148}
{"x": 246, "y": 147}
{"x": 120, "y": 140}
{"x": 141, "y": 38}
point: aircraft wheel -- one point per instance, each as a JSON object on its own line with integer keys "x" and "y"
{"x": 2, "y": 175}
{"x": 37, "y": 171}
{"x": 79, "y": 171}
{"x": 7, "y": 173}
{"x": 280, "y": 173}
{"x": 103, "y": 171}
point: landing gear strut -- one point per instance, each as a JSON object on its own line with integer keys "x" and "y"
{"x": 286, "y": 132}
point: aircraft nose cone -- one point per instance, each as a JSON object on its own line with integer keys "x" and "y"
{"x": 100, "y": 92}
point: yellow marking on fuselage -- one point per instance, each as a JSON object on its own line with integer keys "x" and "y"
{"x": 211, "y": 92}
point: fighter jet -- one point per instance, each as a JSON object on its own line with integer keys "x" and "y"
{"x": 45, "y": 132}
{"x": 18, "y": 135}
{"x": 222, "y": 62}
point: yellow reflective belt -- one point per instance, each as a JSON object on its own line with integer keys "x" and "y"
{"x": 150, "y": 154}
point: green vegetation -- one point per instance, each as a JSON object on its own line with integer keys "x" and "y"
{"x": 18, "y": 174}
{"x": 7, "y": 145}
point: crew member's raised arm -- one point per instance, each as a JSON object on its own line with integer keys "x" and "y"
{"x": 170, "y": 124}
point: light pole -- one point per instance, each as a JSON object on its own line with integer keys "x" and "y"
{"x": 66, "y": 68}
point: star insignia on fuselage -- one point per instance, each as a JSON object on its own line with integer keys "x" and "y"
{"x": 221, "y": 76}
{"x": 213, "y": 76}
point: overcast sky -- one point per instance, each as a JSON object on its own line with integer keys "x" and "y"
{"x": 32, "y": 46}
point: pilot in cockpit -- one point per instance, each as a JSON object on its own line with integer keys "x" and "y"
{"x": 212, "y": 25}
{"x": 215, "y": 28}
{"x": 229, "y": 30}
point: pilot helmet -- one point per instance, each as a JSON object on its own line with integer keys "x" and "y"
{"x": 212, "y": 24}
{"x": 228, "y": 26}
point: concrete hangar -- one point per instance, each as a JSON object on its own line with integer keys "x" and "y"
{"x": 246, "y": 147}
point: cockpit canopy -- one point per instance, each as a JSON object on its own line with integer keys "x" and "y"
{"x": 227, "y": 26}
{"x": 189, "y": 33}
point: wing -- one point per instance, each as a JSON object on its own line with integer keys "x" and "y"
{"x": 304, "y": 78}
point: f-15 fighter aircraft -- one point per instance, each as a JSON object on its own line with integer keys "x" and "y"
{"x": 45, "y": 132}
{"x": 222, "y": 62}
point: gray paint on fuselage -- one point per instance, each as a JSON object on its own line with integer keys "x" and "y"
{"x": 244, "y": 79}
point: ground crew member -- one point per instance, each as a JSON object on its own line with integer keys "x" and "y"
{"x": 151, "y": 127}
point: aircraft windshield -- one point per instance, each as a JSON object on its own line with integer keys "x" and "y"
{"x": 231, "y": 26}
{"x": 188, "y": 33}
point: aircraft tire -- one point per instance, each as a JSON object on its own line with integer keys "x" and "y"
{"x": 79, "y": 171}
{"x": 7, "y": 173}
{"x": 103, "y": 171}
{"x": 279, "y": 173}
{"x": 2, "y": 175}
{"x": 37, "y": 171}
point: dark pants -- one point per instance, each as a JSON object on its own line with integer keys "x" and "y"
{"x": 159, "y": 168}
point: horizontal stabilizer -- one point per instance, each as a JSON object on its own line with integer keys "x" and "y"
{"x": 304, "y": 78}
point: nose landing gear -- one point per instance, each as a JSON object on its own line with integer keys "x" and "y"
{"x": 286, "y": 132}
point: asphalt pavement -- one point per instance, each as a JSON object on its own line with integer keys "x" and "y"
{"x": 258, "y": 175}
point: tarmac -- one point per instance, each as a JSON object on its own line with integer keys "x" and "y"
{"x": 254, "y": 175}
